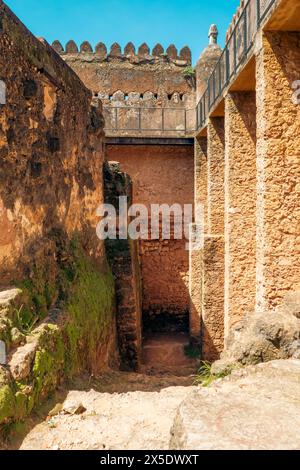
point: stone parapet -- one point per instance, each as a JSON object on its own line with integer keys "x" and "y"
{"x": 140, "y": 55}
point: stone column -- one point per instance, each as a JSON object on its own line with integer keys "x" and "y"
{"x": 212, "y": 291}
{"x": 212, "y": 259}
{"x": 195, "y": 288}
{"x": 240, "y": 206}
{"x": 195, "y": 262}
{"x": 215, "y": 171}
{"x": 278, "y": 164}
{"x": 200, "y": 194}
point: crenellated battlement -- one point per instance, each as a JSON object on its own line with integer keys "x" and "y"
{"x": 142, "y": 54}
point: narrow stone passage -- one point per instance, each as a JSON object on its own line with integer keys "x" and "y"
{"x": 118, "y": 410}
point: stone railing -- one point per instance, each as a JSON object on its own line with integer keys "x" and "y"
{"x": 149, "y": 114}
{"x": 239, "y": 46}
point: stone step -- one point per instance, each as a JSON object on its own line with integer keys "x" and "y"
{"x": 165, "y": 353}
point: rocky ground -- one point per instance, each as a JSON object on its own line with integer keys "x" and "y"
{"x": 256, "y": 407}
{"x": 118, "y": 410}
{"x": 113, "y": 419}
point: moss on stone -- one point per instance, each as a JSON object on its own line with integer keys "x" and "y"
{"x": 89, "y": 309}
{"x": 7, "y": 403}
{"x": 38, "y": 294}
{"x": 21, "y": 408}
{"x": 85, "y": 295}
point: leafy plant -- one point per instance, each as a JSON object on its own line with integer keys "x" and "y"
{"x": 189, "y": 72}
{"x": 25, "y": 323}
{"x": 205, "y": 376}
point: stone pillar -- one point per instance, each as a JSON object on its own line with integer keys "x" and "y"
{"x": 200, "y": 185}
{"x": 240, "y": 206}
{"x": 212, "y": 254}
{"x": 195, "y": 261}
{"x": 215, "y": 171}
{"x": 278, "y": 164}
{"x": 195, "y": 288}
{"x": 212, "y": 292}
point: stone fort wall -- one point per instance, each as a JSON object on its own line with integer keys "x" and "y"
{"x": 129, "y": 70}
{"x": 57, "y": 312}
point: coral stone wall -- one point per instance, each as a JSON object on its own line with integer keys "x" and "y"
{"x": 143, "y": 93}
{"x": 240, "y": 206}
{"x": 278, "y": 158}
{"x": 130, "y": 70}
{"x": 60, "y": 319}
{"x": 161, "y": 175}
{"x": 51, "y": 151}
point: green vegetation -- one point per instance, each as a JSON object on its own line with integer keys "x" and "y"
{"x": 189, "y": 72}
{"x": 25, "y": 323}
{"x": 84, "y": 298}
{"x": 205, "y": 376}
{"x": 90, "y": 306}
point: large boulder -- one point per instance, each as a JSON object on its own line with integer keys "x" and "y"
{"x": 255, "y": 408}
{"x": 263, "y": 337}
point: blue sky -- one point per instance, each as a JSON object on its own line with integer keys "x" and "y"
{"x": 182, "y": 22}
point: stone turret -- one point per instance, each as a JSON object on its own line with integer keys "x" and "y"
{"x": 213, "y": 34}
{"x": 207, "y": 60}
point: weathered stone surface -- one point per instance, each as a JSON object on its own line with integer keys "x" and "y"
{"x": 212, "y": 295}
{"x": 86, "y": 47}
{"x": 115, "y": 50}
{"x": 157, "y": 173}
{"x": 129, "y": 49}
{"x": 240, "y": 206}
{"x": 256, "y": 408}
{"x": 61, "y": 183}
{"x": 278, "y": 157}
{"x": 22, "y": 360}
{"x": 186, "y": 54}
{"x": 262, "y": 337}
{"x": 17, "y": 338}
{"x": 9, "y": 297}
{"x": 200, "y": 178}
{"x": 73, "y": 407}
{"x": 51, "y": 153}
{"x": 172, "y": 52}
{"x": 144, "y": 50}
{"x": 133, "y": 412}
{"x": 101, "y": 50}
{"x": 71, "y": 47}
{"x": 158, "y": 50}
{"x": 124, "y": 261}
{"x": 133, "y": 70}
{"x": 215, "y": 176}
{"x": 57, "y": 47}
{"x": 205, "y": 66}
